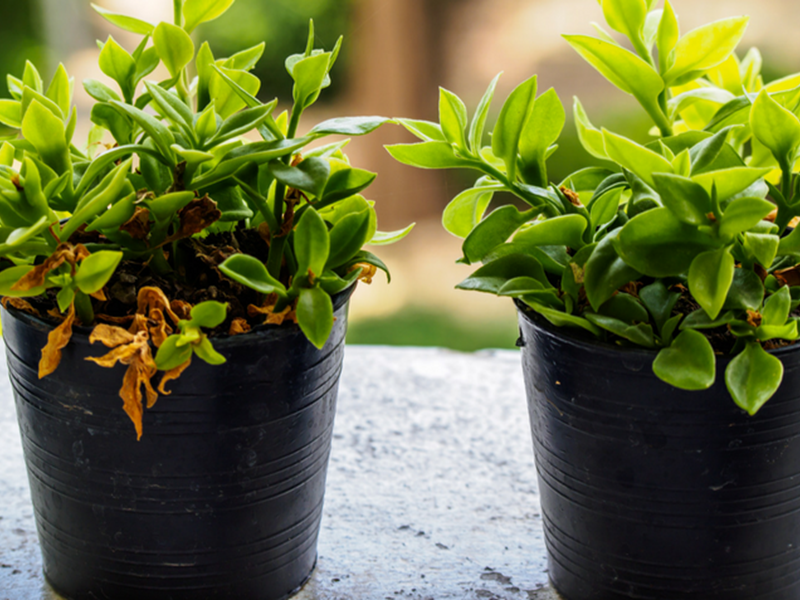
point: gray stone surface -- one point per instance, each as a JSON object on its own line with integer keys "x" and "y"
{"x": 431, "y": 492}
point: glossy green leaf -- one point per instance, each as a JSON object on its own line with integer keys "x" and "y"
{"x": 493, "y": 231}
{"x": 729, "y": 182}
{"x": 231, "y": 90}
{"x": 511, "y": 123}
{"x": 591, "y": 138}
{"x": 241, "y": 123}
{"x": 492, "y": 276}
{"x": 347, "y": 237}
{"x": 626, "y": 16}
{"x": 777, "y": 307}
{"x": 688, "y": 201}
{"x": 173, "y": 108}
{"x": 170, "y": 355}
{"x": 60, "y": 89}
{"x": 119, "y": 65}
{"x": 131, "y": 24}
{"x": 346, "y": 182}
{"x": 10, "y": 276}
{"x": 428, "y": 155}
{"x": 710, "y": 278}
{"x": 174, "y": 46}
{"x": 311, "y": 243}
{"x": 659, "y": 301}
{"x": 563, "y": 230}
{"x": 606, "y": 272}
{"x": 209, "y": 314}
{"x": 453, "y": 118}
{"x": 762, "y": 246}
{"x": 625, "y": 308}
{"x": 641, "y": 334}
{"x": 310, "y": 175}
{"x": 688, "y": 364}
{"x": 775, "y": 127}
{"x": 315, "y": 315}
{"x": 561, "y": 319}
{"x": 196, "y": 12}
{"x": 205, "y": 351}
{"x": 157, "y": 131}
{"x": 48, "y": 135}
{"x": 478, "y": 124}
{"x": 704, "y": 48}
{"x": 743, "y": 214}
{"x": 251, "y": 272}
{"x": 667, "y": 37}
{"x": 699, "y": 319}
{"x": 604, "y": 209}
{"x": 753, "y": 377}
{"x": 466, "y": 210}
{"x": 348, "y": 126}
{"x": 659, "y": 245}
{"x": 95, "y": 271}
{"x": 634, "y": 157}
{"x": 309, "y": 75}
{"x": 747, "y": 291}
{"x": 386, "y": 238}
{"x": 541, "y": 131}
{"x": 11, "y": 113}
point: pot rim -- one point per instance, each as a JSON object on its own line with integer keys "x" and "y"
{"x": 566, "y": 335}
{"x": 81, "y": 333}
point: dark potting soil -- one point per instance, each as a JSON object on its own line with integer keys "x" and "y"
{"x": 198, "y": 280}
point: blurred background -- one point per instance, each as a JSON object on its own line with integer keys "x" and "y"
{"x": 396, "y": 54}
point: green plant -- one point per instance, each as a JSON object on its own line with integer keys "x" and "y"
{"x": 683, "y": 245}
{"x": 179, "y": 201}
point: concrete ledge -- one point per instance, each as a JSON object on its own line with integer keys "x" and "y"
{"x": 431, "y": 494}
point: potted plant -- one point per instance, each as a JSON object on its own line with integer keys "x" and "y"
{"x": 174, "y": 257}
{"x": 657, "y": 297}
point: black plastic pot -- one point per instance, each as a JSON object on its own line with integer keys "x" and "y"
{"x": 653, "y": 493}
{"x": 222, "y": 498}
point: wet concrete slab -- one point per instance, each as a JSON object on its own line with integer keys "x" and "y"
{"x": 432, "y": 491}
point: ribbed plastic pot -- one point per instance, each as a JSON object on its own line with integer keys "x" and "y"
{"x": 222, "y": 498}
{"x": 653, "y": 493}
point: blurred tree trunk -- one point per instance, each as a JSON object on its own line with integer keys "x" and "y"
{"x": 396, "y": 70}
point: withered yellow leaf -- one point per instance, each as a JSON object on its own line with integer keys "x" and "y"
{"x": 56, "y": 341}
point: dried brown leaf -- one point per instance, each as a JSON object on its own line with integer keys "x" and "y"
{"x": 239, "y": 326}
{"x": 20, "y": 304}
{"x": 171, "y": 375}
{"x": 273, "y": 318}
{"x": 56, "y": 341}
{"x": 199, "y": 214}
{"x": 368, "y": 272}
{"x": 151, "y": 298}
{"x": 138, "y": 226}
{"x": 181, "y": 309}
{"x": 110, "y": 336}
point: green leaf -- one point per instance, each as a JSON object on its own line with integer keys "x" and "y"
{"x": 346, "y": 182}
{"x": 729, "y": 182}
{"x": 743, "y": 214}
{"x": 311, "y": 243}
{"x": 561, "y": 319}
{"x": 65, "y": 297}
{"x": 96, "y": 270}
{"x": 762, "y": 246}
{"x": 753, "y": 377}
{"x": 347, "y": 237}
{"x": 246, "y": 59}
{"x": 710, "y": 278}
{"x": 11, "y": 113}
{"x": 60, "y": 89}
{"x": 31, "y": 77}
{"x": 348, "y": 126}
{"x": 747, "y": 291}
{"x": 659, "y": 301}
{"x": 492, "y": 276}
{"x": 563, "y": 230}
{"x": 541, "y": 131}
{"x": 704, "y": 48}
{"x": 310, "y": 175}
{"x": 241, "y": 123}
{"x": 315, "y": 315}
{"x": 700, "y": 320}
{"x": 428, "y": 155}
{"x": 146, "y": 63}
{"x": 232, "y": 90}
{"x": 624, "y": 69}
{"x": 196, "y": 12}
{"x": 309, "y": 75}
{"x": 777, "y": 307}
{"x": 625, "y": 308}
{"x": 453, "y": 118}
{"x": 775, "y": 127}
{"x": 173, "y": 108}
{"x": 174, "y": 46}
{"x": 659, "y": 245}
{"x": 205, "y": 351}
{"x": 157, "y": 131}
{"x": 626, "y": 16}
{"x": 385, "y": 238}
{"x": 209, "y": 314}
{"x": 511, "y": 124}
{"x": 591, "y": 138}
{"x": 48, "y": 135}
{"x": 635, "y": 158}
{"x": 124, "y": 22}
{"x": 606, "y": 272}
{"x": 493, "y": 231}
{"x": 170, "y": 355}
{"x": 688, "y": 201}
{"x": 119, "y": 65}
{"x": 252, "y": 273}
{"x": 466, "y": 210}
{"x": 478, "y": 124}
{"x": 667, "y": 37}
{"x": 106, "y": 192}
{"x": 688, "y": 364}
{"x": 115, "y": 216}
{"x": 641, "y": 334}
{"x": 427, "y": 131}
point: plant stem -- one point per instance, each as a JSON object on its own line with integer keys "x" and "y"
{"x": 83, "y": 308}
{"x": 178, "y": 11}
